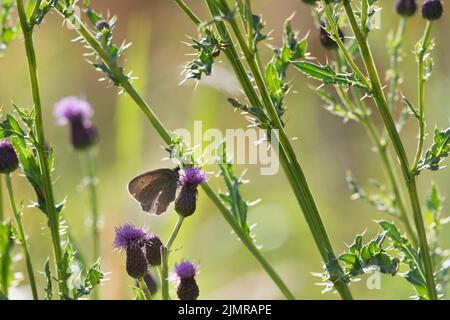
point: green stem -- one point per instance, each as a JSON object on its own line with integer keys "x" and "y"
{"x": 23, "y": 239}
{"x": 383, "y": 108}
{"x": 165, "y": 273}
{"x": 165, "y": 257}
{"x": 424, "y": 44}
{"x": 188, "y": 12}
{"x": 144, "y": 288}
{"x": 364, "y": 15}
{"x": 289, "y": 159}
{"x": 2, "y": 213}
{"x": 166, "y": 136}
{"x": 91, "y": 184}
{"x": 53, "y": 216}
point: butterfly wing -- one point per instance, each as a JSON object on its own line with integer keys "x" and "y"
{"x": 155, "y": 190}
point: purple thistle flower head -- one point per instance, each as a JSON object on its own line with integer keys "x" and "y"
{"x": 192, "y": 177}
{"x": 185, "y": 270}
{"x": 153, "y": 250}
{"x": 406, "y": 8}
{"x": 129, "y": 235}
{"x": 72, "y": 109}
{"x": 432, "y": 9}
{"x": 8, "y": 157}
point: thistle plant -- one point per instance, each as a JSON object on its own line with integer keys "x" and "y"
{"x": 107, "y": 60}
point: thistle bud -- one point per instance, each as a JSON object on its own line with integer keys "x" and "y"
{"x": 406, "y": 8}
{"x": 151, "y": 283}
{"x": 187, "y": 288}
{"x": 103, "y": 25}
{"x": 326, "y": 39}
{"x": 8, "y": 158}
{"x": 186, "y": 202}
{"x": 82, "y": 135}
{"x": 136, "y": 263}
{"x": 131, "y": 240}
{"x": 153, "y": 250}
{"x": 432, "y": 9}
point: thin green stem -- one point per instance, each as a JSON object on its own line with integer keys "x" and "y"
{"x": 383, "y": 108}
{"x": 23, "y": 238}
{"x": 188, "y": 12}
{"x": 166, "y": 136}
{"x": 53, "y": 217}
{"x": 145, "y": 289}
{"x": 165, "y": 273}
{"x": 364, "y": 15}
{"x": 91, "y": 184}
{"x": 424, "y": 44}
{"x": 289, "y": 159}
{"x": 165, "y": 257}
{"x": 2, "y": 213}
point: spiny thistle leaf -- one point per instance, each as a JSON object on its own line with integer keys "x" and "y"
{"x": 437, "y": 153}
{"x": 48, "y": 275}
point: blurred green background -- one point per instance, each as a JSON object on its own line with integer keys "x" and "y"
{"x": 129, "y": 146}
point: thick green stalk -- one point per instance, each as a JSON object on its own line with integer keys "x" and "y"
{"x": 289, "y": 159}
{"x": 53, "y": 218}
{"x": 145, "y": 289}
{"x": 23, "y": 238}
{"x": 383, "y": 108}
{"x": 166, "y": 136}
{"x": 424, "y": 44}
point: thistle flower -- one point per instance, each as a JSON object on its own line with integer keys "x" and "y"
{"x": 153, "y": 250}
{"x": 406, "y": 8}
{"x": 151, "y": 283}
{"x": 326, "y": 39}
{"x": 8, "y": 158}
{"x": 131, "y": 240}
{"x": 432, "y": 9}
{"x": 190, "y": 179}
{"x": 77, "y": 113}
{"x": 187, "y": 288}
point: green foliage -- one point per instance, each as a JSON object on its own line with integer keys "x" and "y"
{"x": 22, "y": 135}
{"x": 410, "y": 257}
{"x": 327, "y": 75}
{"x": 233, "y": 198}
{"x": 207, "y": 50}
{"x": 48, "y": 275}
{"x": 293, "y": 48}
{"x": 6, "y": 261}
{"x": 437, "y": 152}
{"x": 42, "y": 11}
{"x": 362, "y": 258}
{"x": 8, "y": 27}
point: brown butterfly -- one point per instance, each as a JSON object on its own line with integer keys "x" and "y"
{"x": 155, "y": 190}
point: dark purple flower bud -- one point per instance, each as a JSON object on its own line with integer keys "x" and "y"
{"x": 326, "y": 39}
{"x": 82, "y": 135}
{"x": 432, "y": 9}
{"x": 153, "y": 250}
{"x": 136, "y": 261}
{"x": 131, "y": 240}
{"x": 8, "y": 158}
{"x": 186, "y": 202}
{"x": 406, "y": 8}
{"x": 187, "y": 288}
{"x": 103, "y": 25}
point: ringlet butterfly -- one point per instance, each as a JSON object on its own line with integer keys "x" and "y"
{"x": 155, "y": 190}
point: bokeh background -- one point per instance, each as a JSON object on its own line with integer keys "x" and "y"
{"x": 129, "y": 146}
